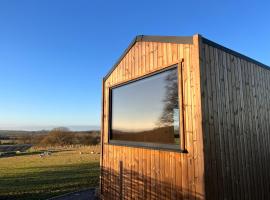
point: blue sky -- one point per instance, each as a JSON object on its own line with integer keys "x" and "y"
{"x": 54, "y": 53}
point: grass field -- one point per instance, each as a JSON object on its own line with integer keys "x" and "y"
{"x": 29, "y": 176}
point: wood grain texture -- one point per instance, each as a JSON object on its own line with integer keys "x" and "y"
{"x": 225, "y": 103}
{"x": 149, "y": 173}
{"x": 235, "y": 107}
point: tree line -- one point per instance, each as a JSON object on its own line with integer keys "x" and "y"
{"x": 60, "y": 137}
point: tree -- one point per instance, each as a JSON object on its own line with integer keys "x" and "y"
{"x": 62, "y": 129}
{"x": 58, "y": 136}
{"x": 170, "y": 100}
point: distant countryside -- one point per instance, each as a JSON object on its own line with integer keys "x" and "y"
{"x": 43, "y": 164}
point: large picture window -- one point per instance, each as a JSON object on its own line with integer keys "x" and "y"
{"x": 145, "y": 112}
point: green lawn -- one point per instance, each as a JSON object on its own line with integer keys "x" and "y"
{"x": 30, "y": 177}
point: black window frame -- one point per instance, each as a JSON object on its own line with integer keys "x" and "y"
{"x": 148, "y": 145}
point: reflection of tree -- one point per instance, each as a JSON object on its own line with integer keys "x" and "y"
{"x": 170, "y": 100}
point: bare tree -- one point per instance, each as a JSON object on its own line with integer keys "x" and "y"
{"x": 170, "y": 100}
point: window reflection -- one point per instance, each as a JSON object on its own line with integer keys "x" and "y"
{"x": 147, "y": 110}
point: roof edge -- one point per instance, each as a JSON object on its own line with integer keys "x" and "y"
{"x": 181, "y": 40}
{"x": 166, "y": 39}
{"x": 235, "y": 53}
{"x": 151, "y": 38}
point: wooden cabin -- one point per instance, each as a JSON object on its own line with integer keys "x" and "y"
{"x": 185, "y": 118}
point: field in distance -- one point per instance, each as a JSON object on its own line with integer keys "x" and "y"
{"x": 38, "y": 175}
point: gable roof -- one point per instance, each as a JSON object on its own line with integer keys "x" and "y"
{"x": 180, "y": 40}
{"x": 148, "y": 38}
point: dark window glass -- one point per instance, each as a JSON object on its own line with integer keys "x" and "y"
{"x": 147, "y": 110}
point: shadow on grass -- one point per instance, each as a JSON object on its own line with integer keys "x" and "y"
{"x": 16, "y": 147}
{"x": 47, "y": 182}
{"x": 21, "y": 154}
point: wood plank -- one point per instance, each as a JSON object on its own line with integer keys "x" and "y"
{"x": 155, "y": 59}
{"x": 215, "y": 123}
{"x": 136, "y": 60}
{"x": 199, "y": 146}
{"x": 136, "y": 172}
{"x": 205, "y": 119}
{"x": 175, "y": 53}
{"x": 244, "y": 113}
{"x": 160, "y": 55}
{"x": 227, "y": 76}
{"x": 148, "y": 175}
{"x": 178, "y": 176}
{"x": 162, "y": 169}
{"x": 213, "y": 150}
{"x": 252, "y": 128}
{"x": 172, "y": 172}
{"x": 167, "y": 178}
{"x": 192, "y": 132}
{"x": 260, "y": 146}
{"x": 242, "y": 138}
{"x": 169, "y": 52}
{"x": 185, "y": 161}
{"x": 125, "y": 173}
{"x": 143, "y": 58}
{"x": 150, "y": 56}
{"x": 246, "y": 128}
{"x": 257, "y": 163}
{"x": 129, "y": 65}
{"x": 139, "y": 58}
{"x": 223, "y": 126}
{"x": 234, "y": 114}
{"x": 140, "y": 174}
{"x": 147, "y": 59}
{"x": 158, "y": 179}
{"x": 164, "y": 54}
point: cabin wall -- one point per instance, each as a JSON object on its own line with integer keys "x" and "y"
{"x": 236, "y": 125}
{"x": 140, "y": 173}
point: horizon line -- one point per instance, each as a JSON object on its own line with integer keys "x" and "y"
{"x": 49, "y": 127}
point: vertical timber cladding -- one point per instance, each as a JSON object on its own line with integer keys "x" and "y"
{"x": 140, "y": 173}
{"x": 235, "y": 108}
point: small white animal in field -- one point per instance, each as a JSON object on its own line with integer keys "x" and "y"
{"x": 45, "y": 153}
{"x": 81, "y": 153}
